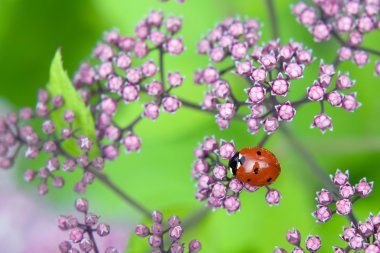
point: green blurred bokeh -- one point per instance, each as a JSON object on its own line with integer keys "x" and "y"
{"x": 159, "y": 176}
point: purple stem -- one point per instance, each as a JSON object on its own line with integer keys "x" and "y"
{"x": 318, "y": 171}
{"x": 92, "y": 238}
{"x": 263, "y": 141}
{"x": 343, "y": 43}
{"x": 272, "y": 18}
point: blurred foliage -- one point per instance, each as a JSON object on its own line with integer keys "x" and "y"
{"x": 159, "y": 176}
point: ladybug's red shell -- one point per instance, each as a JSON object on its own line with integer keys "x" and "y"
{"x": 255, "y": 166}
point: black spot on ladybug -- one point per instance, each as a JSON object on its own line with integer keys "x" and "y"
{"x": 269, "y": 179}
{"x": 258, "y": 152}
{"x": 249, "y": 180}
{"x": 256, "y": 171}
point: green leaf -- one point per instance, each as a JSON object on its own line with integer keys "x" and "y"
{"x": 60, "y": 84}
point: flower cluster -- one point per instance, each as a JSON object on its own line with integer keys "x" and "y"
{"x": 231, "y": 38}
{"x": 312, "y": 243}
{"x": 215, "y": 184}
{"x": 347, "y": 21}
{"x": 82, "y": 234}
{"x": 174, "y": 230}
{"x": 35, "y": 132}
{"x": 359, "y": 236}
{"x": 119, "y": 76}
{"x": 362, "y": 236}
{"x": 343, "y": 198}
{"x": 269, "y": 72}
{"x": 330, "y": 87}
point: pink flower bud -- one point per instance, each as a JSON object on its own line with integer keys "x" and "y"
{"x": 151, "y": 110}
{"x": 322, "y": 121}
{"x": 356, "y": 242}
{"x": 308, "y": 17}
{"x": 220, "y": 172}
{"x": 364, "y": 188}
{"x": 280, "y": 86}
{"x": 134, "y": 75}
{"x": 123, "y": 61}
{"x": 285, "y": 111}
{"x": 149, "y": 69}
{"x": 335, "y": 98}
{"x": 108, "y": 105}
{"x": 210, "y": 75}
{"x": 114, "y": 83}
{"x": 76, "y": 235}
{"x": 259, "y": 75}
{"x": 204, "y": 46}
{"x": 227, "y": 110}
{"x": 132, "y": 143}
{"x": 321, "y": 32}
{"x": 217, "y": 54}
{"x": 175, "y": 79}
{"x": 315, "y": 92}
{"x": 323, "y": 214}
{"x": 126, "y": 43}
{"x": 345, "y": 53}
{"x": 348, "y": 233}
{"x": 253, "y": 125}
{"x": 176, "y": 233}
{"x": 81, "y": 205}
{"x": 243, "y": 68}
{"x": 268, "y": 61}
{"x": 360, "y": 58}
{"x": 293, "y": 237}
{"x": 235, "y": 185}
{"x": 270, "y": 125}
{"x": 273, "y": 197}
{"x": 226, "y": 150}
{"x": 155, "y": 88}
{"x": 219, "y": 191}
{"x": 343, "y": 207}
{"x": 293, "y": 70}
{"x": 349, "y": 102}
{"x": 346, "y": 191}
{"x": 324, "y": 197}
{"x": 173, "y": 24}
{"x": 344, "y": 24}
{"x": 313, "y": 243}
{"x": 141, "y": 49}
{"x": 174, "y": 46}
{"x": 171, "y": 104}
{"x": 110, "y": 152}
{"x": 194, "y": 246}
{"x": 256, "y": 94}
{"x": 105, "y": 69}
{"x": 231, "y": 204}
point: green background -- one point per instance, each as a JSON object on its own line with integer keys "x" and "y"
{"x": 159, "y": 176}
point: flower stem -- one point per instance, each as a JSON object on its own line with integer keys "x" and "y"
{"x": 343, "y": 43}
{"x": 302, "y": 150}
{"x": 162, "y": 72}
{"x": 272, "y": 18}
{"x": 263, "y": 141}
{"x": 106, "y": 181}
{"x": 196, "y": 217}
{"x": 318, "y": 171}
{"x": 92, "y": 238}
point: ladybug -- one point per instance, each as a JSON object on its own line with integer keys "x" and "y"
{"x": 255, "y": 166}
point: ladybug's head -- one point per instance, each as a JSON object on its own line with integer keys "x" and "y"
{"x": 235, "y": 162}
